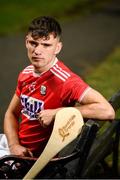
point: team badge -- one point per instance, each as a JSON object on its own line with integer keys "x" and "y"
{"x": 43, "y": 90}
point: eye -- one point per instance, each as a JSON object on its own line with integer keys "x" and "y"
{"x": 46, "y": 45}
{"x": 33, "y": 43}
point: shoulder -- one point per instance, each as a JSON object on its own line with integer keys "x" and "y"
{"x": 26, "y": 72}
{"x": 71, "y": 79}
{"x": 62, "y": 72}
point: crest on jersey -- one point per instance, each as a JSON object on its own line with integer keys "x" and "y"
{"x": 43, "y": 90}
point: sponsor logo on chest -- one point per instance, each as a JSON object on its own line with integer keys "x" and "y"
{"x": 31, "y": 106}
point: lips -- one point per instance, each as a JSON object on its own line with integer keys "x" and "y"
{"x": 37, "y": 58}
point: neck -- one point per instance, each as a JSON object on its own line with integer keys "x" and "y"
{"x": 40, "y": 70}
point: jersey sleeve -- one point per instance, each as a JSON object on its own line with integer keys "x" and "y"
{"x": 74, "y": 90}
{"x": 18, "y": 87}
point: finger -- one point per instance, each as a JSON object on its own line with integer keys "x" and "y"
{"x": 40, "y": 120}
{"x": 43, "y": 124}
{"x": 27, "y": 153}
{"x": 38, "y": 116}
{"x": 30, "y": 153}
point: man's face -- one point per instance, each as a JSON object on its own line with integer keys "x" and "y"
{"x": 42, "y": 51}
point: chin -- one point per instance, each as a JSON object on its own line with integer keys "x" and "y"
{"x": 37, "y": 66}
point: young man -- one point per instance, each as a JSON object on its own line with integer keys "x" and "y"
{"x": 43, "y": 88}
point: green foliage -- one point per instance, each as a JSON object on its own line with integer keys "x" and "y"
{"x": 15, "y": 15}
{"x": 106, "y": 77}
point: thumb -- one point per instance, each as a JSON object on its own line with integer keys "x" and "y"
{"x": 30, "y": 153}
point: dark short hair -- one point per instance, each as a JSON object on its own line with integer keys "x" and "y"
{"x": 44, "y": 25}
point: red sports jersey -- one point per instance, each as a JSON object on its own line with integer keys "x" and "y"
{"x": 55, "y": 88}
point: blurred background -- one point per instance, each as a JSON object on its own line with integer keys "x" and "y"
{"x": 91, "y": 37}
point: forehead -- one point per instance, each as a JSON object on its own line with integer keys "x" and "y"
{"x": 49, "y": 38}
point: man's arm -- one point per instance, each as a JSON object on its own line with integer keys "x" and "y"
{"x": 11, "y": 121}
{"x": 11, "y": 125}
{"x": 94, "y": 105}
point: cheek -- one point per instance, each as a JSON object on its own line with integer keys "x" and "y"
{"x": 52, "y": 51}
{"x": 29, "y": 50}
{"x": 48, "y": 53}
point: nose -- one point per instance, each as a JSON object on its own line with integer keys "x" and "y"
{"x": 38, "y": 50}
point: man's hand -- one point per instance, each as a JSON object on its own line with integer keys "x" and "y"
{"x": 45, "y": 117}
{"x": 17, "y": 149}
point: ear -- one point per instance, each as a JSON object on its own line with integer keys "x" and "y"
{"x": 26, "y": 41}
{"x": 58, "y": 48}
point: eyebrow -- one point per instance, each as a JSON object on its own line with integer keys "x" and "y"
{"x": 32, "y": 41}
{"x": 47, "y": 44}
{"x": 43, "y": 43}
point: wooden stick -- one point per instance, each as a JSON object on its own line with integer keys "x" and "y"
{"x": 67, "y": 126}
